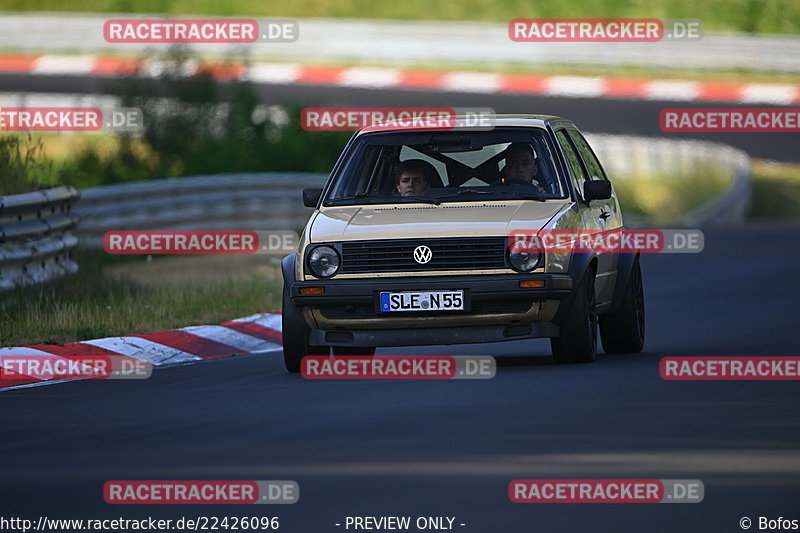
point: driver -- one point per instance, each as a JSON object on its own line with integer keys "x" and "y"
{"x": 413, "y": 177}
{"x": 522, "y": 167}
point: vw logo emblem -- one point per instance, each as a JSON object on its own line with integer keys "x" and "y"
{"x": 422, "y": 254}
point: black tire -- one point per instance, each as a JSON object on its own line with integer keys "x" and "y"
{"x": 623, "y": 332}
{"x": 295, "y": 336}
{"x": 577, "y": 339}
{"x": 355, "y": 350}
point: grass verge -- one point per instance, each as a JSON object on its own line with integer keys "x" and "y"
{"x": 113, "y": 296}
{"x": 22, "y": 165}
{"x": 776, "y": 191}
{"x": 664, "y": 200}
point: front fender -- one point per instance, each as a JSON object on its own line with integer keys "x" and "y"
{"x": 288, "y": 268}
{"x": 579, "y": 264}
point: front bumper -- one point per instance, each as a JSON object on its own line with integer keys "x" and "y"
{"x": 433, "y": 336}
{"x": 478, "y": 288}
{"x": 497, "y": 309}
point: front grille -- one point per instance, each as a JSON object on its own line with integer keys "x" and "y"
{"x": 468, "y": 253}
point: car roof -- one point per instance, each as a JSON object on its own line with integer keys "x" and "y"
{"x": 523, "y": 120}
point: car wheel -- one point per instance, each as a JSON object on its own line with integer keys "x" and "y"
{"x": 355, "y": 350}
{"x": 577, "y": 339}
{"x": 295, "y": 336}
{"x": 623, "y": 332}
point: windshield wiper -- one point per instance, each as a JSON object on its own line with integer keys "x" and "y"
{"x": 354, "y": 197}
{"x": 524, "y": 195}
{"x": 513, "y": 194}
{"x": 362, "y": 195}
{"x": 358, "y": 196}
{"x": 420, "y": 199}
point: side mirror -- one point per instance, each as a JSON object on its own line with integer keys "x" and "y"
{"x": 311, "y": 197}
{"x": 596, "y": 190}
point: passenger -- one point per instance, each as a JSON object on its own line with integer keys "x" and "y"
{"x": 522, "y": 167}
{"x": 413, "y": 177}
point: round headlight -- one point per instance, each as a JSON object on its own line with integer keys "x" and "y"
{"x": 523, "y": 261}
{"x": 324, "y": 261}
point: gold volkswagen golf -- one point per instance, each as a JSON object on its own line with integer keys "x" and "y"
{"x": 409, "y": 245}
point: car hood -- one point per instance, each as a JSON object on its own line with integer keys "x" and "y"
{"x": 423, "y": 220}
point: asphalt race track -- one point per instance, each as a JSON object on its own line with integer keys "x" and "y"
{"x": 450, "y": 448}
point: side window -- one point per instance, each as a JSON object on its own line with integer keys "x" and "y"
{"x": 573, "y": 161}
{"x": 589, "y": 159}
{"x": 361, "y": 166}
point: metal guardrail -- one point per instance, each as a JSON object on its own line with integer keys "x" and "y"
{"x": 35, "y": 236}
{"x": 630, "y": 157}
{"x": 263, "y": 201}
{"x": 732, "y": 205}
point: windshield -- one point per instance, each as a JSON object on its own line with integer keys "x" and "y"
{"x": 435, "y": 167}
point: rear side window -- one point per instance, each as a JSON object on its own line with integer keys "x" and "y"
{"x": 589, "y": 159}
{"x": 578, "y": 174}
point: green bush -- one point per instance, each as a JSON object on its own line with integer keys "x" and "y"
{"x": 23, "y": 166}
{"x": 776, "y": 191}
{"x": 195, "y": 126}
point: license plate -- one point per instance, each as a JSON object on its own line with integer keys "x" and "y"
{"x": 422, "y": 301}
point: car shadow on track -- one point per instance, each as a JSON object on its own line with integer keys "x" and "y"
{"x": 524, "y": 353}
